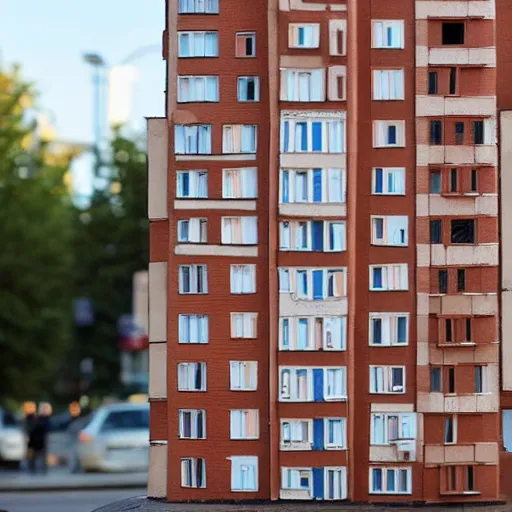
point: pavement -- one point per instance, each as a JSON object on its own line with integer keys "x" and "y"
{"x": 60, "y": 479}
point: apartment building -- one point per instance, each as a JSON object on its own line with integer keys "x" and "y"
{"x": 325, "y": 256}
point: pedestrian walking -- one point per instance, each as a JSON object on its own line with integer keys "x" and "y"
{"x": 38, "y": 439}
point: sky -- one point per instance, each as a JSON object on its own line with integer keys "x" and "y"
{"x": 48, "y": 38}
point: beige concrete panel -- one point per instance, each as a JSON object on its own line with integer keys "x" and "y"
{"x": 487, "y": 353}
{"x": 483, "y": 56}
{"x": 216, "y": 250}
{"x": 484, "y": 9}
{"x": 442, "y": 9}
{"x": 314, "y": 114}
{"x": 439, "y": 205}
{"x": 421, "y": 32}
{"x": 467, "y": 403}
{"x": 422, "y": 322}
{"x": 383, "y": 454}
{"x": 437, "y": 254}
{"x": 443, "y": 56}
{"x": 455, "y": 305}
{"x": 451, "y": 404}
{"x": 333, "y": 73}
{"x": 487, "y": 254}
{"x": 506, "y": 206}
{"x": 158, "y": 370}
{"x": 436, "y": 355}
{"x": 422, "y": 155}
{"x": 313, "y": 160}
{"x": 458, "y": 355}
{"x": 434, "y": 454}
{"x": 459, "y": 453}
{"x": 488, "y": 403}
{"x": 422, "y": 205}
{"x": 422, "y": 304}
{"x": 485, "y": 305}
{"x": 334, "y": 27}
{"x": 486, "y": 205}
{"x": 216, "y": 158}
{"x": 493, "y": 378}
{"x": 211, "y": 204}
{"x": 470, "y": 105}
{"x": 487, "y": 154}
{"x": 420, "y": 436}
{"x": 434, "y": 305}
{"x": 289, "y": 306}
{"x": 429, "y": 106}
{"x": 506, "y": 342}
{"x": 338, "y": 7}
{"x": 423, "y": 255}
{"x": 436, "y": 154}
{"x": 377, "y": 407}
{"x": 422, "y": 56}
{"x": 301, "y": 5}
{"x": 487, "y": 453}
{"x": 430, "y": 402}
{"x": 422, "y": 354}
{"x": 459, "y": 154}
{"x": 301, "y": 61}
{"x": 287, "y": 494}
{"x": 157, "y": 478}
{"x": 157, "y": 168}
{"x": 313, "y": 210}
{"x": 284, "y": 5}
{"x": 158, "y": 301}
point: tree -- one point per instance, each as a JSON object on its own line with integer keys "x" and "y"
{"x": 36, "y": 263}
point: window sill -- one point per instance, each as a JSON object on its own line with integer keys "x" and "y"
{"x": 460, "y": 493}
{"x": 382, "y": 493}
{"x": 457, "y": 345}
{"x": 377, "y": 244}
{"x": 198, "y": 56}
{"x": 382, "y": 345}
{"x": 387, "y": 290}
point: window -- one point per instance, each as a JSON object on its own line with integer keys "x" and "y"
{"x": 436, "y": 384}
{"x": 453, "y": 180}
{"x": 244, "y": 473}
{"x": 312, "y": 384}
{"x": 453, "y": 81}
{"x": 244, "y": 424}
{"x": 243, "y": 279}
{"x": 192, "y": 231}
{"x": 463, "y": 231}
{"x": 303, "y": 84}
{"x": 435, "y": 182}
{"x": 303, "y": 135}
{"x": 388, "y": 134}
{"x": 453, "y": 33}
{"x": 244, "y": 325}
{"x": 314, "y": 284}
{"x": 240, "y": 183}
{"x": 390, "y": 230}
{"x": 387, "y": 379}
{"x": 436, "y": 133}
{"x": 335, "y": 483}
{"x": 450, "y": 430}
{"x": 451, "y": 379}
{"x": 335, "y": 383}
{"x": 297, "y": 479}
{"x": 312, "y": 333}
{"x": 191, "y": 376}
{"x": 335, "y": 433}
{"x": 432, "y": 82}
{"x": 388, "y": 34}
{"x": 303, "y": 35}
{"x": 389, "y": 277}
{"x": 193, "y": 279}
{"x": 461, "y": 280}
{"x": 193, "y": 472}
{"x": 459, "y": 133}
{"x": 474, "y": 180}
{"x": 387, "y": 428}
{"x": 193, "y": 139}
{"x": 388, "y": 329}
{"x": 390, "y": 480}
{"x": 436, "y": 231}
{"x": 448, "y": 330}
{"x": 198, "y": 7}
{"x": 317, "y": 235}
{"x": 239, "y": 138}
{"x": 388, "y": 84}
{"x": 480, "y": 379}
{"x": 240, "y": 230}
{"x": 457, "y": 480}
{"x": 198, "y": 44}
{"x": 192, "y": 423}
{"x": 478, "y": 132}
{"x": 312, "y": 186}
{"x": 193, "y": 328}
{"x": 296, "y": 432}
{"x": 192, "y": 184}
{"x": 245, "y": 44}
{"x": 388, "y": 181}
{"x": 243, "y": 375}
{"x": 284, "y": 280}
{"x": 248, "y": 88}
{"x": 442, "y": 276}
{"x": 198, "y": 89}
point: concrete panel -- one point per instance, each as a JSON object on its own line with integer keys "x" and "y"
{"x": 423, "y": 255}
{"x": 434, "y": 454}
{"x": 422, "y": 324}
{"x": 157, "y": 370}
{"x": 313, "y": 210}
{"x": 443, "y": 56}
{"x": 157, "y": 484}
{"x": 483, "y": 57}
{"x": 467, "y": 403}
{"x": 216, "y": 158}
{"x": 436, "y": 154}
{"x": 455, "y": 305}
{"x": 422, "y": 355}
{"x": 445, "y": 9}
{"x": 485, "y": 305}
{"x": 486, "y": 154}
{"x": 487, "y": 254}
{"x": 459, "y": 453}
{"x": 487, "y": 403}
{"x": 422, "y": 208}
{"x": 422, "y": 155}
{"x": 422, "y": 304}
{"x": 438, "y": 255}
{"x": 439, "y": 205}
{"x": 484, "y": 9}
{"x": 487, "y": 353}
{"x": 289, "y": 306}
{"x": 377, "y": 407}
{"x": 429, "y": 106}
{"x": 301, "y": 61}
{"x": 422, "y": 56}
{"x": 434, "y": 305}
{"x": 313, "y": 160}
{"x": 157, "y": 168}
{"x": 205, "y": 204}
{"x": 486, "y": 205}
{"x": 459, "y": 155}
{"x": 216, "y": 250}
{"x": 383, "y": 454}
{"x": 158, "y": 301}
{"x": 506, "y": 342}
{"x": 470, "y": 105}
{"x": 487, "y": 453}
{"x": 301, "y": 5}
{"x": 506, "y": 190}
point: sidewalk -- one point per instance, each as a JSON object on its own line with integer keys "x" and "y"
{"x": 63, "y": 480}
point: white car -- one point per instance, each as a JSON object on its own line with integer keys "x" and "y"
{"x": 12, "y": 439}
{"x": 116, "y": 438}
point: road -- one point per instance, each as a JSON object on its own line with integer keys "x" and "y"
{"x": 69, "y": 501}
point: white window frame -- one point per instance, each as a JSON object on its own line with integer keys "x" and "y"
{"x": 386, "y": 173}
{"x": 240, "y": 88}
{"x": 245, "y": 324}
{"x": 194, "y": 96}
{"x": 403, "y": 417}
{"x": 314, "y": 36}
{"x": 389, "y": 329}
{"x": 246, "y": 234}
{"x": 247, "y": 279}
{"x": 288, "y": 472}
{"x": 291, "y": 395}
{"x": 194, "y": 279}
{"x": 388, "y": 387}
{"x": 246, "y": 35}
{"x": 328, "y": 273}
{"x": 241, "y": 418}
{"x": 342, "y": 445}
{"x": 402, "y": 282}
{"x": 193, "y": 139}
{"x": 388, "y": 84}
{"x": 240, "y": 183}
{"x": 392, "y": 472}
{"x": 232, "y": 144}
{"x": 197, "y": 230}
{"x": 329, "y": 126}
{"x": 381, "y": 132}
{"x": 191, "y": 370}
{"x": 195, "y": 414}
{"x": 191, "y": 36}
{"x": 239, "y": 463}
{"x": 198, "y": 184}
{"x": 202, "y": 328}
{"x": 342, "y": 470}
{"x": 292, "y": 191}
{"x": 237, "y": 377}
{"x": 287, "y": 242}
{"x": 402, "y": 222}
{"x": 288, "y": 430}
{"x": 303, "y": 85}
{"x": 193, "y": 461}
{"x": 198, "y": 7}
{"x": 328, "y": 393}
{"x": 384, "y": 25}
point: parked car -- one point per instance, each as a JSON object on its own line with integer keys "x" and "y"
{"x": 114, "y": 438}
{"x": 12, "y": 439}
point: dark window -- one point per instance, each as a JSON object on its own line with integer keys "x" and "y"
{"x": 377, "y": 331}
{"x": 249, "y": 46}
{"x": 451, "y": 379}
{"x": 126, "y": 420}
{"x": 443, "y": 281}
{"x": 470, "y": 479}
{"x": 435, "y": 182}
{"x": 432, "y": 82}
{"x": 451, "y": 478}
{"x": 436, "y": 232}
{"x": 453, "y": 33}
{"x": 453, "y": 180}
{"x": 251, "y": 90}
{"x": 478, "y": 132}
{"x": 461, "y": 280}
{"x": 453, "y": 81}
{"x": 448, "y": 329}
{"x": 392, "y": 134}
{"x": 479, "y": 375}
{"x": 435, "y": 380}
{"x": 463, "y": 231}
{"x": 449, "y": 434}
{"x": 468, "y": 329}
{"x": 436, "y": 132}
{"x": 459, "y": 133}
{"x": 474, "y": 180}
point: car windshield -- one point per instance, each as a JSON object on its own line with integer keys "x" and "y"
{"x": 121, "y": 420}
{"x": 9, "y": 419}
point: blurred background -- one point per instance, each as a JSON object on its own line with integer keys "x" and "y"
{"x": 76, "y": 81}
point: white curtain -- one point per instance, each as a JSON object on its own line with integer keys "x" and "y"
{"x": 179, "y": 139}
{"x": 301, "y": 187}
{"x": 336, "y": 137}
{"x": 378, "y": 34}
{"x": 249, "y": 182}
{"x": 198, "y": 38}
{"x": 248, "y": 139}
{"x": 250, "y": 230}
{"x": 378, "y": 429}
{"x": 183, "y": 328}
{"x": 334, "y": 185}
{"x": 205, "y": 139}
{"x": 212, "y": 88}
{"x": 284, "y": 280}
{"x": 184, "y": 45}
{"x": 302, "y": 284}
{"x": 211, "y": 44}
{"x": 302, "y": 334}
{"x": 285, "y": 235}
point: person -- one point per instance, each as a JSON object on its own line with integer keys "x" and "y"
{"x": 30, "y": 421}
{"x": 38, "y": 439}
